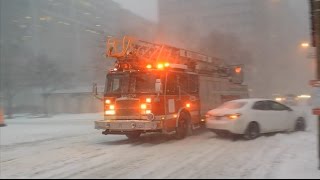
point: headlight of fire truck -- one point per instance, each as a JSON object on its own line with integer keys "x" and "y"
{"x": 146, "y": 109}
{"x": 109, "y": 109}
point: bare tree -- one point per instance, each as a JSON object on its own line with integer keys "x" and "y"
{"x": 13, "y": 75}
{"x": 48, "y": 76}
{"x": 14, "y": 54}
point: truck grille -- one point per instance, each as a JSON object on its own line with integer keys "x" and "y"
{"x": 128, "y": 107}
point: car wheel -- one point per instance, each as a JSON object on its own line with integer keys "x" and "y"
{"x": 253, "y": 131}
{"x": 133, "y": 136}
{"x": 300, "y": 124}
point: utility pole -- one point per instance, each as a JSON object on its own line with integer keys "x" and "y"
{"x": 315, "y": 31}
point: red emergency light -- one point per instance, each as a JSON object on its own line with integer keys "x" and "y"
{"x": 238, "y": 70}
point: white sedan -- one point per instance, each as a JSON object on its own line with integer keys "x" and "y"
{"x": 252, "y": 117}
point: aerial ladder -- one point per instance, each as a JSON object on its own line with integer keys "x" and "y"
{"x": 133, "y": 50}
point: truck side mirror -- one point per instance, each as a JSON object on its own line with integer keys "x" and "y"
{"x": 95, "y": 89}
{"x": 158, "y": 86}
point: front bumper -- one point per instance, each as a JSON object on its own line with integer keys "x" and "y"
{"x": 127, "y": 125}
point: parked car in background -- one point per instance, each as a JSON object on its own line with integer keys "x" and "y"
{"x": 253, "y": 117}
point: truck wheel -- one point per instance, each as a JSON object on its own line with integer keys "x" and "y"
{"x": 181, "y": 130}
{"x": 183, "y": 126}
{"x": 133, "y": 136}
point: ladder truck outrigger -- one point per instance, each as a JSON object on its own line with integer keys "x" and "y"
{"x": 160, "y": 88}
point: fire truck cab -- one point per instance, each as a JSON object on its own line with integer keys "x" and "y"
{"x": 159, "y": 88}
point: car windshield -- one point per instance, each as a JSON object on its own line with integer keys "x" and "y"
{"x": 232, "y": 105}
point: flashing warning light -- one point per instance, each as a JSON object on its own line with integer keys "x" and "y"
{"x": 160, "y": 66}
{"x": 143, "y": 106}
{"x": 148, "y": 100}
{"x": 111, "y": 107}
{"x": 148, "y": 111}
{"x": 188, "y": 105}
{"x": 166, "y": 64}
{"x": 108, "y": 101}
{"x": 238, "y": 70}
{"x": 149, "y": 66}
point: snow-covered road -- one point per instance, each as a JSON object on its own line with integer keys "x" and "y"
{"x": 68, "y": 147}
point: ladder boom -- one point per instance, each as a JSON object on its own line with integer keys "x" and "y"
{"x": 134, "y": 50}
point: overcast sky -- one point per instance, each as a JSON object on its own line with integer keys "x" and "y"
{"x": 145, "y": 8}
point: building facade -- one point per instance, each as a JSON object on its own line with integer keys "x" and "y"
{"x": 270, "y": 30}
{"x": 71, "y": 33}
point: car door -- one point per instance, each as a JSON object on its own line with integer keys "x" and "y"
{"x": 281, "y": 116}
{"x": 260, "y": 113}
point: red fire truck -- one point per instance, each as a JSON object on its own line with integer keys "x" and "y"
{"x": 160, "y": 88}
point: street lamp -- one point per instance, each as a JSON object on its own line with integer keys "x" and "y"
{"x": 305, "y": 45}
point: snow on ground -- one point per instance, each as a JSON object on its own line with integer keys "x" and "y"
{"x": 68, "y": 147}
{"x": 25, "y": 129}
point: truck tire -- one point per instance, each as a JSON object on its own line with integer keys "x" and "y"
{"x": 184, "y": 126}
{"x": 133, "y": 136}
{"x": 181, "y": 130}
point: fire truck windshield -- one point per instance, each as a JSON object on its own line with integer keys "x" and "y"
{"x": 130, "y": 83}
